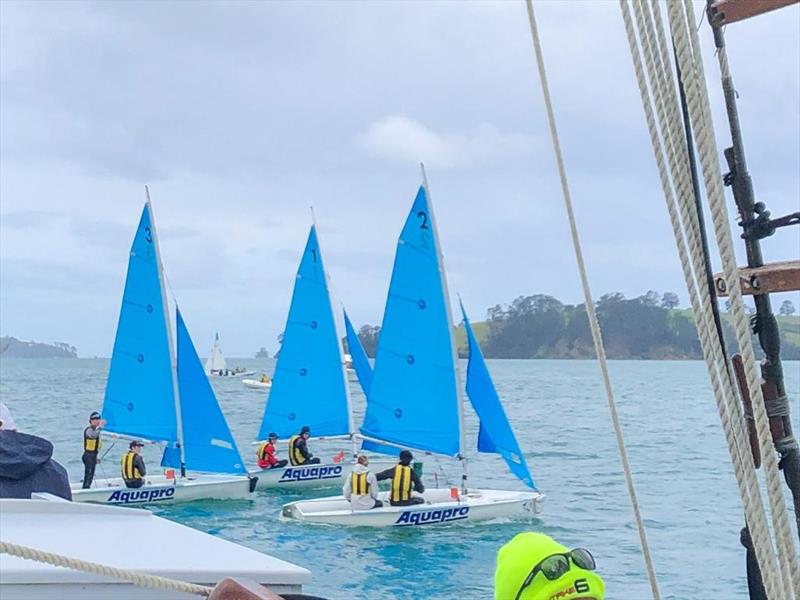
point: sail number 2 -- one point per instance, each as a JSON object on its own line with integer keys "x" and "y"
{"x": 423, "y": 215}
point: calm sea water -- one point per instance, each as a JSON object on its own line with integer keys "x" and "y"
{"x": 682, "y": 473}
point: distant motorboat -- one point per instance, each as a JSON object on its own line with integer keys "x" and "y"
{"x": 264, "y": 383}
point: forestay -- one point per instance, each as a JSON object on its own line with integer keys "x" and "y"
{"x": 309, "y": 384}
{"x": 495, "y": 434}
{"x": 413, "y": 399}
{"x": 208, "y": 444}
{"x": 360, "y": 361}
{"x": 139, "y": 400}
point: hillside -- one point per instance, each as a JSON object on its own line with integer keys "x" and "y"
{"x": 650, "y": 326}
{"x": 11, "y": 347}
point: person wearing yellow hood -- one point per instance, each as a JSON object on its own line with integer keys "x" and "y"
{"x": 533, "y": 566}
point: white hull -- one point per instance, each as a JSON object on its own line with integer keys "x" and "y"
{"x": 255, "y": 384}
{"x": 311, "y": 476}
{"x": 439, "y": 509}
{"x": 128, "y": 539}
{"x": 231, "y": 374}
{"x": 159, "y": 489}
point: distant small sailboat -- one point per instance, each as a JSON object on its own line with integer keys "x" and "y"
{"x": 153, "y": 397}
{"x": 309, "y": 386}
{"x": 414, "y": 397}
{"x": 217, "y": 367}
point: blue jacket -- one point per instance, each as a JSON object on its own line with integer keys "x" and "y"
{"x": 27, "y": 466}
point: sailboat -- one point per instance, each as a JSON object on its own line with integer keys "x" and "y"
{"x": 153, "y": 397}
{"x": 414, "y": 398}
{"x": 309, "y": 386}
{"x": 216, "y": 365}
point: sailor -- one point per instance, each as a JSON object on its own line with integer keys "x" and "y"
{"x": 298, "y": 449}
{"x": 533, "y": 566}
{"x": 404, "y": 478}
{"x": 361, "y": 488}
{"x": 266, "y": 454}
{"x": 132, "y": 464}
{"x": 91, "y": 447}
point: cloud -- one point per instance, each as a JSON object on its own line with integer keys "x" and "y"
{"x": 406, "y": 141}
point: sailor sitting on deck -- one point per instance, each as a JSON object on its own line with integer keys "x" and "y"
{"x": 298, "y": 449}
{"x": 361, "y": 488}
{"x": 266, "y": 454}
{"x": 133, "y": 470}
{"x": 403, "y": 478}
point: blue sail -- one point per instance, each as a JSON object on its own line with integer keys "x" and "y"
{"x": 495, "y": 433}
{"x": 139, "y": 400}
{"x": 413, "y": 399}
{"x": 207, "y": 441}
{"x": 308, "y": 386}
{"x": 360, "y": 361}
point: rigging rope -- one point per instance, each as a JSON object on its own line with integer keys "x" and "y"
{"x": 590, "y": 311}
{"x": 134, "y": 577}
{"x": 683, "y": 26}
{"x": 670, "y": 141}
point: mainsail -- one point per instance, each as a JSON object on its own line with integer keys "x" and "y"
{"x": 208, "y": 443}
{"x": 495, "y": 434}
{"x": 309, "y": 386}
{"x": 360, "y": 361}
{"x": 139, "y": 400}
{"x": 216, "y": 362}
{"x": 413, "y": 398}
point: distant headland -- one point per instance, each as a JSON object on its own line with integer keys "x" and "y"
{"x": 11, "y": 347}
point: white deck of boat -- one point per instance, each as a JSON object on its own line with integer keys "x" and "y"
{"x": 126, "y": 538}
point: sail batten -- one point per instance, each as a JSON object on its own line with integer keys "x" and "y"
{"x": 413, "y": 399}
{"x": 495, "y": 434}
{"x": 139, "y": 399}
{"x": 309, "y": 383}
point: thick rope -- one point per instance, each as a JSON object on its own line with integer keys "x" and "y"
{"x": 686, "y": 229}
{"x": 687, "y": 238}
{"x": 135, "y": 577}
{"x": 687, "y": 44}
{"x": 590, "y": 310}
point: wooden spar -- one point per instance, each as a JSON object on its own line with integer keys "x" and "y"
{"x": 725, "y": 12}
{"x": 773, "y": 277}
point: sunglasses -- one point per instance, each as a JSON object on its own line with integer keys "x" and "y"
{"x": 555, "y": 565}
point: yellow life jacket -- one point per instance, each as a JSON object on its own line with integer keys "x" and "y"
{"x": 296, "y": 457}
{"x": 261, "y": 453}
{"x": 90, "y": 444}
{"x": 401, "y": 484}
{"x": 129, "y": 471}
{"x": 359, "y": 484}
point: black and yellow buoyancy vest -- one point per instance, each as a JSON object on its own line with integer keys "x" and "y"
{"x": 129, "y": 471}
{"x": 90, "y": 444}
{"x": 401, "y": 484}
{"x": 261, "y": 453}
{"x": 358, "y": 483}
{"x": 296, "y": 457}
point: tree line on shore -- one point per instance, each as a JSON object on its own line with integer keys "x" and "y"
{"x": 650, "y": 326}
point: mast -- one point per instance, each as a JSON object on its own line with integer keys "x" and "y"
{"x": 173, "y": 363}
{"x": 350, "y": 421}
{"x": 443, "y": 275}
{"x": 756, "y": 224}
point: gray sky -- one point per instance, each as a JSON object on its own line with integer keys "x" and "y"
{"x": 241, "y": 115}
